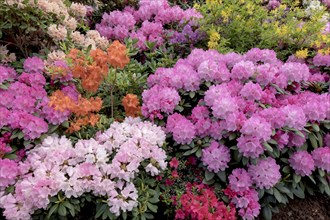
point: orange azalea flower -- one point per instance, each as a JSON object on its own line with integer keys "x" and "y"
{"x": 93, "y": 119}
{"x": 117, "y": 55}
{"x": 61, "y": 102}
{"x": 131, "y": 105}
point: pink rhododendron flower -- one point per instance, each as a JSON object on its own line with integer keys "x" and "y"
{"x": 302, "y": 163}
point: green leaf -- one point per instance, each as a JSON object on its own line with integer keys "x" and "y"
{"x": 124, "y": 215}
{"x": 148, "y": 215}
{"x": 267, "y": 213}
{"x": 65, "y": 124}
{"x": 185, "y": 147}
{"x": 319, "y": 137}
{"x": 316, "y": 127}
{"x": 268, "y": 147}
{"x": 298, "y": 192}
{"x": 154, "y": 199}
{"x": 261, "y": 193}
{"x": 70, "y": 207}
{"x": 62, "y": 210}
{"x": 52, "y": 128}
{"x": 299, "y": 133}
{"x": 286, "y": 169}
{"x": 321, "y": 172}
{"x": 101, "y": 210}
{"x": 232, "y": 136}
{"x": 313, "y": 141}
{"x": 192, "y": 94}
{"x": 152, "y": 207}
{"x": 323, "y": 180}
{"x": 283, "y": 189}
{"x": 208, "y": 175}
{"x": 179, "y": 108}
{"x": 10, "y": 156}
{"x": 198, "y": 153}
{"x": 312, "y": 179}
{"x": 278, "y": 196}
{"x": 52, "y": 210}
{"x": 4, "y": 86}
{"x": 245, "y": 160}
{"x": 272, "y": 141}
{"x": 296, "y": 178}
{"x": 222, "y": 175}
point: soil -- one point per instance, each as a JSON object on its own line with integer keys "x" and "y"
{"x": 311, "y": 208}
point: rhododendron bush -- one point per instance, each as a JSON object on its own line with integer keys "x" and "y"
{"x": 249, "y": 116}
{"x": 117, "y": 110}
{"x": 57, "y": 174}
{"x": 148, "y": 24}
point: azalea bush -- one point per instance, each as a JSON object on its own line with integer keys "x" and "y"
{"x": 56, "y": 25}
{"x": 24, "y": 106}
{"x": 112, "y": 172}
{"x": 154, "y": 23}
{"x": 284, "y": 26}
{"x": 250, "y": 120}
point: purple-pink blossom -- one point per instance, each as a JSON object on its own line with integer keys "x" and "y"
{"x": 321, "y": 157}
{"x": 216, "y": 157}
{"x": 239, "y": 180}
{"x": 182, "y": 129}
{"x": 265, "y": 174}
{"x": 302, "y": 163}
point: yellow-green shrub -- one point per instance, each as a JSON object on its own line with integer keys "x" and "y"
{"x": 239, "y": 25}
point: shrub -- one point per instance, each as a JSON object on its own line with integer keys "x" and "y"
{"x": 111, "y": 171}
{"x": 250, "y": 112}
{"x": 284, "y": 26}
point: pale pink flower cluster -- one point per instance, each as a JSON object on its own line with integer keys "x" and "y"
{"x": 78, "y": 9}
{"x": 5, "y": 56}
{"x": 68, "y": 18}
{"x": 105, "y": 166}
{"x": 57, "y": 32}
{"x": 55, "y": 55}
{"x": 92, "y": 38}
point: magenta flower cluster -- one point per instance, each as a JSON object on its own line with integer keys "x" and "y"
{"x": 148, "y": 23}
{"x": 265, "y": 174}
{"x": 216, "y": 157}
{"x": 105, "y": 167}
{"x": 242, "y": 195}
{"x": 253, "y": 99}
{"x": 24, "y": 102}
{"x": 244, "y": 98}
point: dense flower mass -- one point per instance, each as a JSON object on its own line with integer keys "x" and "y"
{"x": 105, "y": 166}
{"x": 302, "y": 162}
{"x": 265, "y": 174}
{"x": 239, "y": 180}
{"x": 200, "y": 202}
{"x": 321, "y": 158}
{"x": 246, "y": 96}
{"x": 149, "y": 22}
{"x": 216, "y": 157}
{"x": 182, "y": 129}
{"x": 253, "y": 101}
{"x": 24, "y": 103}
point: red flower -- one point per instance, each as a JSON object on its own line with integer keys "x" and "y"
{"x": 174, "y": 163}
{"x": 169, "y": 182}
{"x": 175, "y": 174}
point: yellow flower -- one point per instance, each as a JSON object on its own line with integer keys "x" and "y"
{"x": 324, "y": 51}
{"x": 214, "y": 36}
{"x": 225, "y": 16}
{"x": 197, "y": 6}
{"x": 212, "y": 44}
{"x": 302, "y": 54}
